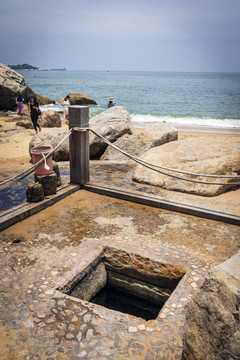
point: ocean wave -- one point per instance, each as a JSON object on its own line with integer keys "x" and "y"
{"x": 188, "y": 121}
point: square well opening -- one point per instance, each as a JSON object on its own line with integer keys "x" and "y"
{"x": 126, "y": 282}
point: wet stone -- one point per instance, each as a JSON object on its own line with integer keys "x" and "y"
{"x": 71, "y": 328}
{"x": 49, "y": 352}
{"x": 89, "y": 333}
{"x": 87, "y": 318}
{"x": 82, "y": 327}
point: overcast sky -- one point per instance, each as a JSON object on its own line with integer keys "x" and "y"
{"x": 152, "y": 35}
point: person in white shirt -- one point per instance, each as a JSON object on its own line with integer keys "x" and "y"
{"x": 66, "y": 104}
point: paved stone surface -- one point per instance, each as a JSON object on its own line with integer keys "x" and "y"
{"x": 43, "y": 252}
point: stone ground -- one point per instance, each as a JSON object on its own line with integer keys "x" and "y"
{"x": 43, "y": 252}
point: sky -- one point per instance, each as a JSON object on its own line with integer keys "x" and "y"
{"x": 122, "y": 35}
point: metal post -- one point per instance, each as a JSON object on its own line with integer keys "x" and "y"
{"x": 79, "y": 145}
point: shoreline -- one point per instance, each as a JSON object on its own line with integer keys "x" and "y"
{"x": 190, "y": 128}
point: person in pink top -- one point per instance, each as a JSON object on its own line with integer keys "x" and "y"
{"x": 19, "y": 102}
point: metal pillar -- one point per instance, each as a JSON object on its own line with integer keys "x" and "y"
{"x": 79, "y": 145}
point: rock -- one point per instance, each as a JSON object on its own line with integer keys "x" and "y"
{"x": 41, "y": 99}
{"x": 91, "y": 284}
{"x": 138, "y": 287}
{"x": 212, "y": 327}
{"x": 50, "y": 119}
{"x": 57, "y": 172}
{"x": 80, "y": 99}
{"x": 198, "y": 155}
{"x": 34, "y": 192}
{"x": 46, "y": 138}
{"x": 160, "y": 274}
{"x": 141, "y": 141}
{"x": 112, "y": 124}
{"x": 12, "y": 83}
{"x": 24, "y": 121}
{"x": 49, "y": 183}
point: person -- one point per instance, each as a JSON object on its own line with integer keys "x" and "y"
{"x": 19, "y": 102}
{"x": 111, "y": 102}
{"x": 66, "y": 104}
{"x": 33, "y": 107}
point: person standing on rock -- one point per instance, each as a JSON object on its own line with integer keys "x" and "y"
{"x": 19, "y": 102}
{"x": 111, "y": 102}
{"x": 33, "y": 107}
{"x": 66, "y": 104}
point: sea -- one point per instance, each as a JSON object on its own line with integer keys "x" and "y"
{"x": 180, "y": 98}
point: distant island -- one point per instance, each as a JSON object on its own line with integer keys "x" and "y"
{"x": 63, "y": 69}
{"x": 31, "y": 67}
{"x": 23, "y": 67}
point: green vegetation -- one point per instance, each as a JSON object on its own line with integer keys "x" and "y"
{"x": 23, "y": 67}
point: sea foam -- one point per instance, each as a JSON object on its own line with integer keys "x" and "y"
{"x": 187, "y": 121}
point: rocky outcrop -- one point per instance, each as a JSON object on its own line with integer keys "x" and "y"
{"x": 112, "y": 124}
{"x": 80, "y": 99}
{"x": 198, "y": 155}
{"x": 12, "y": 83}
{"x": 212, "y": 327}
{"x": 41, "y": 99}
{"x": 141, "y": 141}
{"x": 50, "y": 118}
{"x": 46, "y": 138}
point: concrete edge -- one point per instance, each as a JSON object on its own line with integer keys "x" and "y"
{"x": 164, "y": 204}
{"x": 14, "y": 215}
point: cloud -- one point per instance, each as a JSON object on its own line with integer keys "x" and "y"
{"x": 92, "y": 32}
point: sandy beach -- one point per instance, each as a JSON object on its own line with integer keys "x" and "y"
{"x": 14, "y": 140}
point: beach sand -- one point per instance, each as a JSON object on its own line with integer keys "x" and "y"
{"x": 14, "y": 140}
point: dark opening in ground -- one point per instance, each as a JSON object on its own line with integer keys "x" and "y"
{"x": 115, "y": 299}
{"x": 139, "y": 287}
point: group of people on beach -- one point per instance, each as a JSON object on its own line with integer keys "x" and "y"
{"x": 35, "y": 112}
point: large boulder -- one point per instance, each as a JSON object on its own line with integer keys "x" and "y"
{"x": 41, "y": 99}
{"x": 51, "y": 118}
{"x": 80, "y": 99}
{"x": 141, "y": 141}
{"x": 111, "y": 124}
{"x": 212, "y": 326}
{"x": 198, "y": 155}
{"x": 47, "y": 138}
{"x": 11, "y": 83}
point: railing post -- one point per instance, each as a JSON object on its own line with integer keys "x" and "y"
{"x": 79, "y": 145}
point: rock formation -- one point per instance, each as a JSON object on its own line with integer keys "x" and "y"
{"x": 198, "y": 155}
{"x": 12, "y": 83}
{"x": 41, "y": 99}
{"x": 50, "y": 118}
{"x": 111, "y": 124}
{"x": 212, "y": 327}
{"x": 141, "y": 141}
{"x": 46, "y": 138}
{"x": 80, "y": 99}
